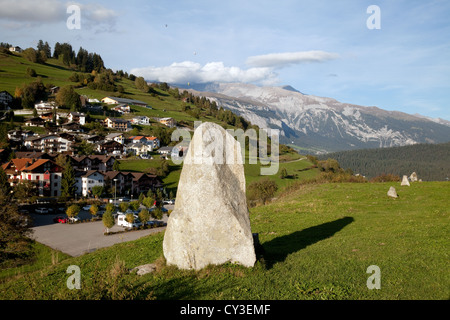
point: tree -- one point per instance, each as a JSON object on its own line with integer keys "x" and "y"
{"x": 5, "y": 187}
{"x": 129, "y": 217}
{"x": 86, "y": 148}
{"x": 141, "y": 197}
{"x": 110, "y": 208}
{"x": 262, "y": 190}
{"x": 108, "y": 220}
{"x": 116, "y": 165}
{"x": 283, "y": 173}
{"x": 61, "y": 160}
{"x": 97, "y": 191}
{"x": 68, "y": 98}
{"x": 68, "y": 181}
{"x": 141, "y": 84}
{"x": 144, "y": 216}
{"x": 24, "y": 190}
{"x": 134, "y": 205}
{"x": 93, "y": 210}
{"x": 157, "y": 213}
{"x": 123, "y": 206}
{"x": 31, "y": 72}
{"x": 148, "y": 202}
{"x": 73, "y": 211}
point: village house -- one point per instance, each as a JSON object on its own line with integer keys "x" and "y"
{"x": 48, "y": 143}
{"x": 35, "y": 122}
{"x": 5, "y": 99}
{"x": 71, "y": 127}
{"x": 138, "y": 148}
{"x": 110, "y": 147}
{"x": 19, "y": 135}
{"x": 117, "y": 124}
{"x": 153, "y": 141}
{"x": 44, "y": 107}
{"x": 15, "y": 49}
{"x": 118, "y": 137}
{"x": 92, "y": 138}
{"x": 47, "y": 117}
{"x": 77, "y": 117}
{"x": 92, "y": 162}
{"x": 141, "y": 120}
{"x": 121, "y": 108}
{"x": 132, "y": 183}
{"x": 123, "y": 101}
{"x": 43, "y": 173}
{"x": 169, "y": 122}
{"x": 86, "y": 181}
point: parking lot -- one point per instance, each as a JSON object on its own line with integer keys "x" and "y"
{"x": 79, "y": 238}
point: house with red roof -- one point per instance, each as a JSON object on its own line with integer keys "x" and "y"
{"x": 44, "y": 174}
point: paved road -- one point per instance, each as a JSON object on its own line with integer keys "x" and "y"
{"x": 77, "y": 239}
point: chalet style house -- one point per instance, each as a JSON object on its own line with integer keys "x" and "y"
{"x": 44, "y": 174}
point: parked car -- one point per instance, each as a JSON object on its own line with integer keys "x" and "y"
{"x": 59, "y": 219}
{"x": 122, "y": 221}
{"x": 170, "y": 201}
{"x": 74, "y": 219}
{"x": 86, "y": 208}
{"x": 41, "y": 210}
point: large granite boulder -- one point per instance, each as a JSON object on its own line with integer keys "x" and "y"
{"x": 210, "y": 222}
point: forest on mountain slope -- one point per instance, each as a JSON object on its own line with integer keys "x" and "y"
{"x": 429, "y": 161}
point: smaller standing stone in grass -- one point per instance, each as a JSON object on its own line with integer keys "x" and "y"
{"x": 144, "y": 269}
{"x": 413, "y": 177}
{"x": 405, "y": 181}
{"x": 392, "y": 193}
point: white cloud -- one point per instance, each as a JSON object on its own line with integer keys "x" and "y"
{"x": 32, "y": 11}
{"x": 278, "y": 60}
{"x": 28, "y": 13}
{"x": 189, "y": 71}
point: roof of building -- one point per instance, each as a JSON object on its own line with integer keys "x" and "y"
{"x": 125, "y": 100}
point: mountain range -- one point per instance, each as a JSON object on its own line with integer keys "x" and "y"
{"x": 319, "y": 125}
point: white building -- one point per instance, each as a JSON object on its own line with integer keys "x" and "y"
{"x": 77, "y": 117}
{"x": 141, "y": 120}
{"x": 118, "y": 137}
{"x": 85, "y": 182}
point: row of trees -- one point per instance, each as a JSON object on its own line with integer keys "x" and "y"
{"x": 83, "y": 61}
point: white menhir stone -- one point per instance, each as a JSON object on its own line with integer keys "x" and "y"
{"x": 210, "y": 222}
{"x": 405, "y": 181}
{"x": 392, "y": 193}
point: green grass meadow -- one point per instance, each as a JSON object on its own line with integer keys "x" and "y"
{"x": 319, "y": 241}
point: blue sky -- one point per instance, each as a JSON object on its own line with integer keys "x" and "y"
{"x": 319, "y": 47}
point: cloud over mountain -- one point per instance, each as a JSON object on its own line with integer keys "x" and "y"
{"x": 261, "y": 69}
{"x": 188, "y": 71}
{"x": 279, "y": 60}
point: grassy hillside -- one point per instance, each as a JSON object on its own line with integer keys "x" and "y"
{"x": 319, "y": 241}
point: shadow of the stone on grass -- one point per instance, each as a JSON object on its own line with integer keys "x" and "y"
{"x": 279, "y": 248}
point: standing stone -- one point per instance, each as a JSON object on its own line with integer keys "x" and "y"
{"x": 405, "y": 181}
{"x": 210, "y": 222}
{"x": 392, "y": 192}
{"x": 413, "y": 177}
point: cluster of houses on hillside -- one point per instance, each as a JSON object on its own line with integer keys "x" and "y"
{"x": 46, "y": 112}
{"x": 34, "y": 157}
{"x": 45, "y": 174}
{"x": 68, "y": 142}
